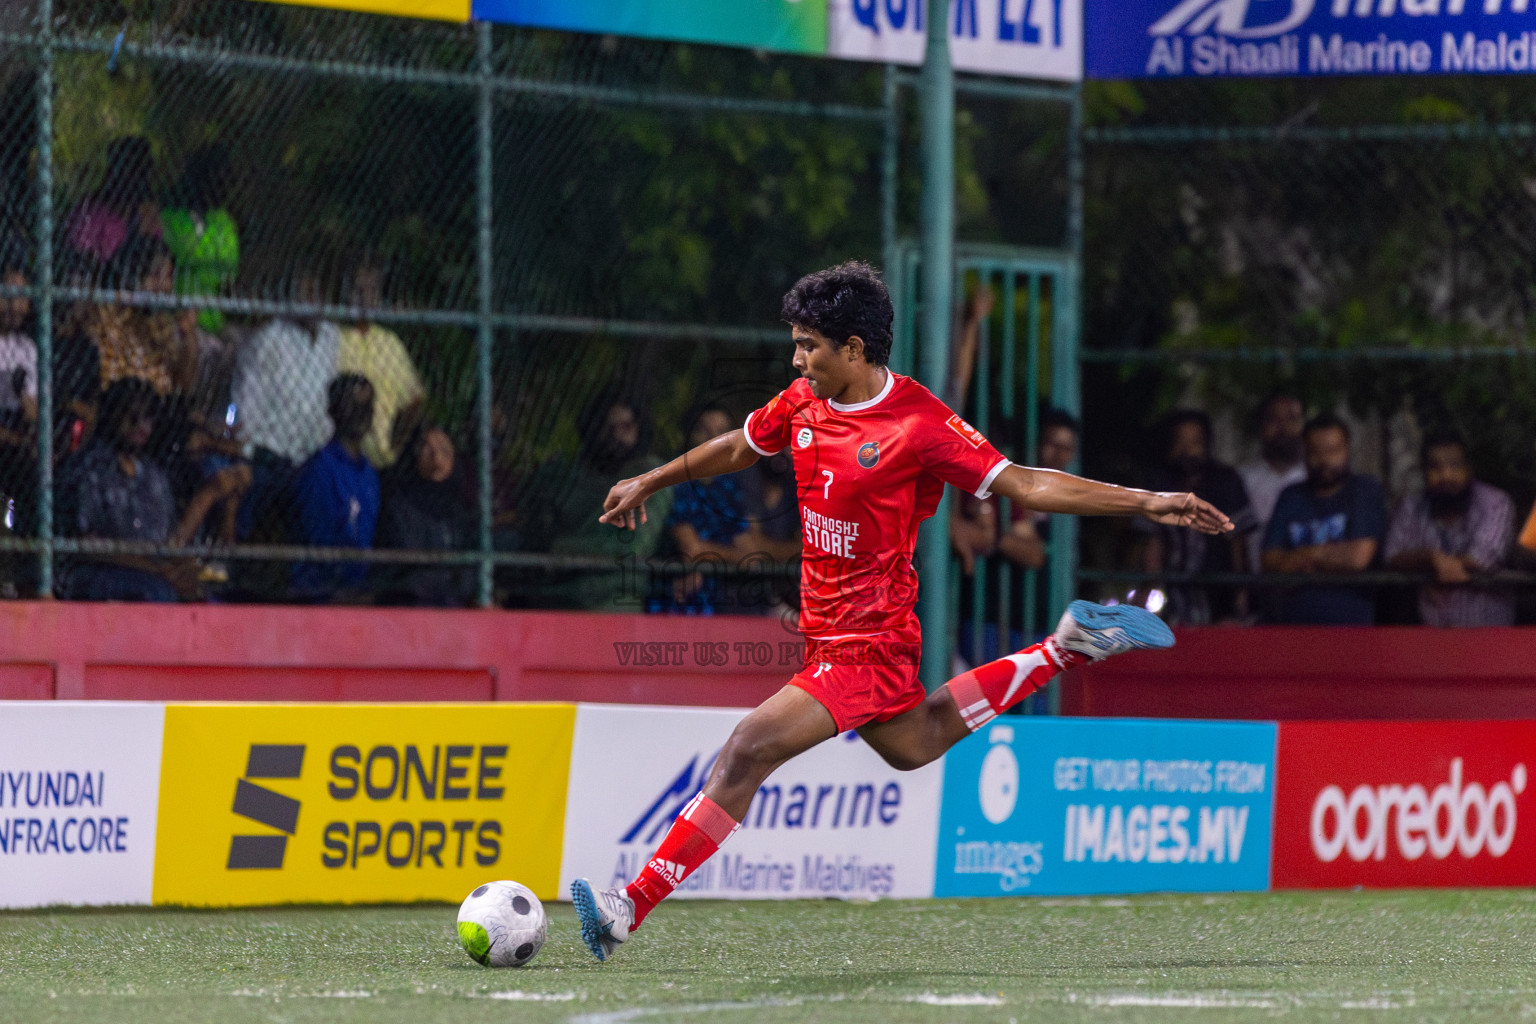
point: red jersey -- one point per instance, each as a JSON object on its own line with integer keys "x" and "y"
{"x": 867, "y": 475}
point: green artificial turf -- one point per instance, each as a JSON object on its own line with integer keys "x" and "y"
{"x": 1350, "y": 956}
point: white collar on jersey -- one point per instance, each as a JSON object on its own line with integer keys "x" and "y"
{"x": 890, "y": 382}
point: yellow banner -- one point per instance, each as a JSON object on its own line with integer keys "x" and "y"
{"x": 337, "y": 803}
{"x": 445, "y": 10}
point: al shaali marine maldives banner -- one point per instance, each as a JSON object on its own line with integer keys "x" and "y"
{"x": 1237, "y": 38}
{"x": 835, "y": 821}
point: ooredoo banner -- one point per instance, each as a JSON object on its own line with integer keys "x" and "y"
{"x": 79, "y": 785}
{"x": 1072, "y": 806}
{"x": 345, "y": 803}
{"x": 1404, "y": 804}
{"x": 835, "y": 821}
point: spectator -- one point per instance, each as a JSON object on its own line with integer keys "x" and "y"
{"x": 772, "y": 508}
{"x": 428, "y": 506}
{"x": 1181, "y": 551}
{"x": 1278, "y": 466}
{"x": 337, "y": 495}
{"x": 76, "y": 381}
{"x": 708, "y": 521}
{"x": 18, "y": 412}
{"x": 566, "y": 496}
{"x": 156, "y": 346}
{"x": 200, "y": 232}
{"x": 1022, "y": 545}
{"x": 1459, "y": 526}
{"x": 1331, "y": 525}
{"x": 18, "y": 360}
{"x": 376, "y": 352}
{"x": 102, "y": 231}
{"x": 279, "y": 398}
{"x": 978, "y": 307}
{"x": 112, "y": 491}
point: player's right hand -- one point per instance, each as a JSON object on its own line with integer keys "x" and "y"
{"x": 1184, "y": 509}
{"x": 623, "y": 499}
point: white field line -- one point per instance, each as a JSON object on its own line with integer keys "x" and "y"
{"x": 641, "y": 1012}
{"x": 1192, "y": 1001}
{"x": 518, "y": 996}
{"x": 959, "y": 1000}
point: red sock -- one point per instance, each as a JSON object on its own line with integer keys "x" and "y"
{"x": 988, "y": 690}
{"x": 693, "y": 839}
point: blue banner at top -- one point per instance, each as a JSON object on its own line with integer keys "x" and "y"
{"x": 1246, "y": 38}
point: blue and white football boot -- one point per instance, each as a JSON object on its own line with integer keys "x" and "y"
{"x": 1104, "y": 630}
{"x": 606, "y": 915}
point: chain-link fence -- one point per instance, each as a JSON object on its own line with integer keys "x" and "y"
{"x": 310, "y": 305}
{"x": 544, "y": 254}
{"x": 1364, "y": 245}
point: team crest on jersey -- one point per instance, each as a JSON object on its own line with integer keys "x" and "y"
{"x": 869, "y": 454}
{"x": 804, "y": 437}
{"x": 965, "y": 430}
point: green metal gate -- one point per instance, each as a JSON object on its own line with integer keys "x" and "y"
{"x": 1027, "y": 358}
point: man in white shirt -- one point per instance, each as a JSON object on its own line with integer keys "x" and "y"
{"x": 1279, "y": 464}
{"x": 279, "y": 394}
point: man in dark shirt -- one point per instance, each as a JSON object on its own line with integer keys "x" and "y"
{"x": 1332, "y": 524}
{"x": 1180, "y": 551}
{"x": 338, "y": 493}
{"x": 112, "y": 491}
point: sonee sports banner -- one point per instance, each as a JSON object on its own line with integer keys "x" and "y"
{"x": 347, "y": 803}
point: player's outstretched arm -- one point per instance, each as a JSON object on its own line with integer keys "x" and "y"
{"x": 1047, "y": 490}
{"x": 719, "y": 455}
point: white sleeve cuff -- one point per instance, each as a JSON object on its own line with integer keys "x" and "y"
{"x": 747, "y": 431}
{"x": 985, "y": 490}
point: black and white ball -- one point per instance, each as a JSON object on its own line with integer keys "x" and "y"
{"x": 502, "y": 924}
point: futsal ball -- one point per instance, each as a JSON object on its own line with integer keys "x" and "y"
{"x": 502, "y": 924}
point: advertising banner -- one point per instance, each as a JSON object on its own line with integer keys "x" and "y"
{"x": 1024, "y": 38}
{"x": 348, "y": 803}
{"x": 835, "y": 821}
{"x": 795, "y": 26}
{"x": 1404, "y": 804}
{"x": 78, "y": 789}
{"x": 1074, "y": 806}
{"x": 444, "y": 10}
{"x": 1235, "y": 38}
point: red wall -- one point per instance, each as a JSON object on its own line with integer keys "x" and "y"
{"x": 221, "y": 652}
{"x": 1317, "y": 673}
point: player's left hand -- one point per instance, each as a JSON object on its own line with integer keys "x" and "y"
{"x": 1176, "y": 509}
{"x": 624, "y": 498}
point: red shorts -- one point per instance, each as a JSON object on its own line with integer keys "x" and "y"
{"x": 862, "y": 679}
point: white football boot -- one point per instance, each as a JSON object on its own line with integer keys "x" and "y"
{"x": 606, "y": 915}
{"x": 1104, "y": 630}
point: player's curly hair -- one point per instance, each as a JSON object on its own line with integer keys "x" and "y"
{"x": 841, "y": 302}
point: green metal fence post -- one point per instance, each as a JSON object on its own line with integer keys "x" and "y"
{"x": 938, "y": 233}
{"x": 485, "y": 330}
{"x": 1066, "y": 369}
{"x": 45, "y": 80}
{"x": 889, "y": 155}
